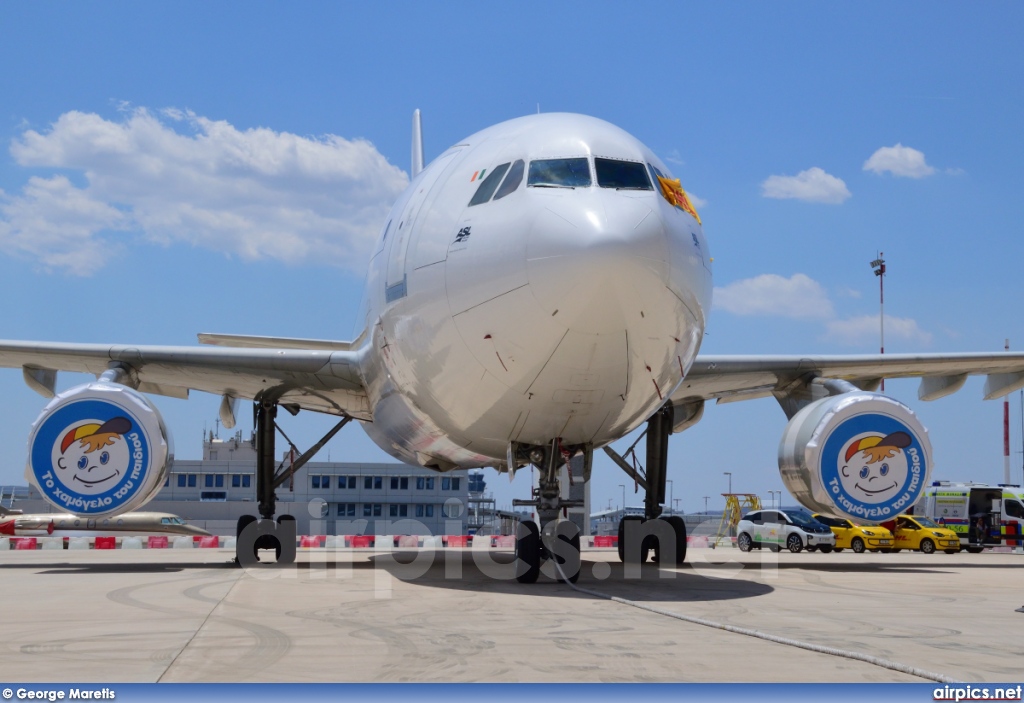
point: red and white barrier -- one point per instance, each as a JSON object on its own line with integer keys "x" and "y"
{"x": 105, "y": 543}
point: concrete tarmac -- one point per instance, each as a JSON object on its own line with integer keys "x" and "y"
{"x": 457, "y": 615}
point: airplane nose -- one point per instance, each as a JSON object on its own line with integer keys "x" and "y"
{"x": 593, "y": 264}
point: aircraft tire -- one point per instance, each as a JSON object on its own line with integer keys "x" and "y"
{"x": 243, "y": 522}
{"x": 527, "y": 552}
{"x": 679, "y": 529}
{"x": 622, "y": 539}
{"x": 573, "y": 542}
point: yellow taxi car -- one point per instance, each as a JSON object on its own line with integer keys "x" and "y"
{"x": 859, "y": 538}
{"x": 919, "y": 532}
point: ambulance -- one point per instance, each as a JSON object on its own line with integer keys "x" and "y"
{"x": 982, "y": 515}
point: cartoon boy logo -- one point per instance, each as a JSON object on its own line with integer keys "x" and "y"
{"x": 93, "y": 457}
{"x": 873, "y": 468}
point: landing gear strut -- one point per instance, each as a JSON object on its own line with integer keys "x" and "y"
{"x": 554, "y": 541}
{"x": 255, "y": 534}
{"x": 639, "y": 536}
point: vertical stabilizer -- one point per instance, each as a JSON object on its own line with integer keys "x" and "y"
{"x": 417, "y": 144}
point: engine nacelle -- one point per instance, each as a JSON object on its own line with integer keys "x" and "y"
{"x": 98, "y": 449}
{"x": 858, "y": 455}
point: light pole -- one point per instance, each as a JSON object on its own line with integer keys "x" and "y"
{"x": 774, "y": 503}
{"x": 1006, "y": 431}
{"x": 676, "y": 500}
{"x": 878, "y": 265}
{"x": 670, "y": 488}
{"x": 706, "y": 504}
{"x": 623, "y": 487}
{"x": 729, "y": 474}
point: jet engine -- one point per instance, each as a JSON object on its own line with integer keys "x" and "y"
{"x": 98, "y": 449}
{"x": 857, "y": 455}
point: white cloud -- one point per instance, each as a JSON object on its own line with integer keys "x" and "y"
{"x": 812, "y": 185}
{"x": 55, "y": 223}
{"x": 899, "y": 160}
{"x": 801, "y": 297}
{"x": 863, "y": 330}
{"x": 674, "y": 157}
{"x": 696, "y": 200}
{"x": 798, "y": 296}
{"x": 253, "y": 193}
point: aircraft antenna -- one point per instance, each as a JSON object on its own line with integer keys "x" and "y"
{"x": 417, "y": 144}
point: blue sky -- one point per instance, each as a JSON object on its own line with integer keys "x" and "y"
{"x": 181, "y": 168}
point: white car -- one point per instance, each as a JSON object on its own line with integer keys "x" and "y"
{"x": 793, "y": 529}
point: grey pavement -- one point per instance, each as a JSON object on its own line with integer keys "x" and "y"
{"x": 456, "y": 615}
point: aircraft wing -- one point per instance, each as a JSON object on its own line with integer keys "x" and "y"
{"x": 314, "y": 379}
{"x": 734, "y": 378}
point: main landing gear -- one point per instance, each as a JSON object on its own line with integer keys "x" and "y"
{"x": 554, "y": 546}
{"x": 640, "y": 536}
{"x": 264, "y": 533}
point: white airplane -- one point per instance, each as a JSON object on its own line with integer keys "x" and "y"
{"x": 539, "y": 290}
{"x": 136, "y": 524}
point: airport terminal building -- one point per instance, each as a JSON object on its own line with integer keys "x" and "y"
{"x": 324, "y": 497}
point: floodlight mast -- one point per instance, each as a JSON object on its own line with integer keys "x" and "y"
{"x": 879, "y": 267}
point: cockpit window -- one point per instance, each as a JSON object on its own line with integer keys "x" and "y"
{"x": 559, "y": 173}
{"x": 512, "y": 180}
{"x": 624, "y": 175}
{"x": 489, "y": 185}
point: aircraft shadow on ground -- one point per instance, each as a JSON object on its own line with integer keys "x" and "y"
{"x": 80, "y": 569}
{"x": 495, "y": 572}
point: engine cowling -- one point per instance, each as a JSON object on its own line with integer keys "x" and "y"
{"x": 858, "y": 455}
{"x": 98, "y": 449}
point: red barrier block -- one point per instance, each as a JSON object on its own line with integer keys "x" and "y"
{"x": 505, "y": 541}
{"x": 603, "y": 541}
{"x": 362, "y": 541}
{"x": 457, "y": 541}
{"x": 308, "y": 541}
{"x": 106, "y": 543}
{"x": 25, "y": 542}
{"x": 209, "y": 542}
{"x": 158, "y": 542}
{"x": 408, "y": 541}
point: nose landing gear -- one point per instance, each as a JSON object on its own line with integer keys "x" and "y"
{"x": 553, "y": 547}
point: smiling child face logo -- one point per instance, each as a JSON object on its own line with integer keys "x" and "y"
{"x": 873, "y": 468}
{"x": 91, "y": 458}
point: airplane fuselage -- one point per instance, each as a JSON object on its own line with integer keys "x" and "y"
{"x": 564, "y": 298}
{"x": 135, "y": 524}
